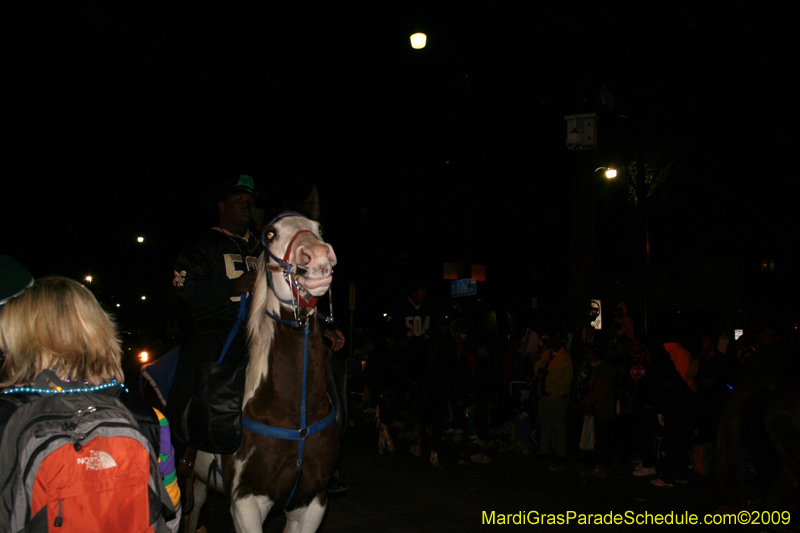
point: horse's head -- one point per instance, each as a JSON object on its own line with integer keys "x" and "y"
{"x": 299, "y": 260}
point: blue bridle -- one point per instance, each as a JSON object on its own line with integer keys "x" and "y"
{"x": 305, "y": 430}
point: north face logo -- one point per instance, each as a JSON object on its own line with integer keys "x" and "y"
{"x": 97, "y": 461}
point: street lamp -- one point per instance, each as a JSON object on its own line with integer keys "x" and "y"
{"x": 609, "y": 172}
{"x": 418, "y": 40}
{"x": 88, "y": 279}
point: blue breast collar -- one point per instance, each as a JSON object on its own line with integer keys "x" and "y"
{"x": 305, "y": 430}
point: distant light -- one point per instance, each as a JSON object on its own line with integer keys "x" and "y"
{"x": 144, "y": 297}
{"x": 88, "y": 278}
{"x": 418, "y": 41}
{"x": 118, "y": 305}
{"x": 144, "y": 357}
{"x": 139, "y": 239}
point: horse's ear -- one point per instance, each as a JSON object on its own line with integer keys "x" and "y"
{"x": 311, "y": 203}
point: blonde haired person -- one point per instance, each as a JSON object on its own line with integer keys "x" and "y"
{"x": 57, "y": 325}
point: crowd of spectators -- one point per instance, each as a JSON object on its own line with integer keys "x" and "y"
{"x": 655, "y": 398}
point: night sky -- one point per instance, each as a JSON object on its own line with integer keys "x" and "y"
{"x": 119, "y": 118}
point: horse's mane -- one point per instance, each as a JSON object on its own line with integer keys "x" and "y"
{"x": 260, "y": 332}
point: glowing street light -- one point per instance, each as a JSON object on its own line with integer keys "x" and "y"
{"x": 88, "y": 279}
{"x": 610, "y": 173}
{"x": 144, "y": 357}
{"x": 418, "y": 40}
{"x": 140, "y": 239}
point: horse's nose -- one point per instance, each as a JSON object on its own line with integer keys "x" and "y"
{"x": 316, "y": 256}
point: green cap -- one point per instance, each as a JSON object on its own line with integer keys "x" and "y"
{"x": 246, "y": 182}
{"x": 243, "y": 184}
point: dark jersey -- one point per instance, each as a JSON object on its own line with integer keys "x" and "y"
{"x": 205, "y": 277}
{"x": 410, "y": 321}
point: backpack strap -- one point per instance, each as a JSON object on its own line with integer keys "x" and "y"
{"x": 9, "y": 403}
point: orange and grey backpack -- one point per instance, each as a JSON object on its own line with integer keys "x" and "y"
{"x": 79, "y": 461}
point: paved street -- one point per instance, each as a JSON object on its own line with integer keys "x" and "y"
{"x": 401, "y": 493}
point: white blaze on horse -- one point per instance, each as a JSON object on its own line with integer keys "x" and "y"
{"x": 290, "y": 462}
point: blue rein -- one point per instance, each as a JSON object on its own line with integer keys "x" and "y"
{"x": 305, "y": 431}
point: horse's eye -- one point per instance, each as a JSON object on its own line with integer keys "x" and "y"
{"x": 321, "y": 231}
{"x": 269, "y": 234}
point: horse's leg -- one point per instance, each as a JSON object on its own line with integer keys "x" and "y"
{"x": 249, "y": 513}
{"x": 200, "y": 494}
{"x": 206, "y": 468}
{"x": 306, "y": 519}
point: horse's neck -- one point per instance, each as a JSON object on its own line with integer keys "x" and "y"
{"x": 278, "y": 358}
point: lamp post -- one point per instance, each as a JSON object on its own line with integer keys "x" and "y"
{"x": 582, "y": 138}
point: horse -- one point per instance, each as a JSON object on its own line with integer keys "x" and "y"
{"x": 290, "y": 442}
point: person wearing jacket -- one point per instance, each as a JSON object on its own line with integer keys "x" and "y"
{"x": 554, "y": 371}
{"x": 675, "y": 401}
{"x": 600, "y": 402}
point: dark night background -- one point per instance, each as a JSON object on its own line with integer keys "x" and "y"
{"x": 120, "y": 117}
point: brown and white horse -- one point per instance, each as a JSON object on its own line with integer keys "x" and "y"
{"x": 285, "y": 389}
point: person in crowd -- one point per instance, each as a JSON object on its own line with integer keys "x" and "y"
{"x": 712, "y": 386}
{"x": 57, "y": 325}
{"x": 599, "y": 400}
{"x": 675, "y": 400}
{"x": 530, "y": 346}
{"x": 684, "y": 363}
{"x": 554, "y": 371}
{"x": 623, "y": 321}
{"x": 408, "y": 337}
{"x": 639, "y": 408}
